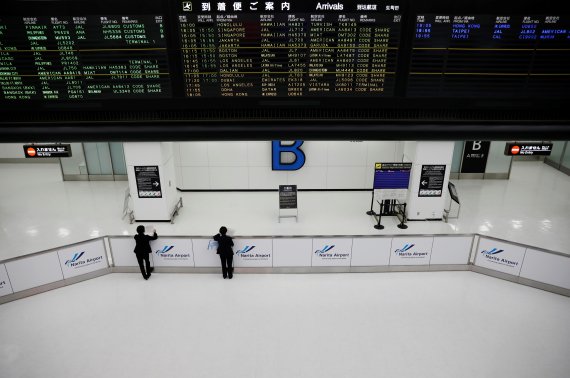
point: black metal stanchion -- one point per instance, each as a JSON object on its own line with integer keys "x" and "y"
{"x": 402, "y": 225}
{"x": 371, "y": 211}
{"x": 379, "y": 226}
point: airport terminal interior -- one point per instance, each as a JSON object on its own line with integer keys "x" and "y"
{"x": 394, "y": 177}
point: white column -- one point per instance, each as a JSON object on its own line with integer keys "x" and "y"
{"x": 152, "y": 154}
{"x": 427, "y": 153}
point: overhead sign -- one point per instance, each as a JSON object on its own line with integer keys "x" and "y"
{"x": 475, "y": 154}
{"x": 514, "y": 149}
{"x": 47, "y": 150}
{"x": 391, "y": 180}
{"x": 431, "y": 180}
{"x": 287, "y": 196}
{"x": 148, "y": 181}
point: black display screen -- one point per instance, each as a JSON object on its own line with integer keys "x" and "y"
{"x": 490, "y": 55}
{"x": 83, "y": 57}
{"x": 226, "y": 60}
{"x": 289, "y": 49}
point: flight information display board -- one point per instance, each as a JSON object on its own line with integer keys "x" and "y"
{"x": 289, "y": 48}
{"x": 490, "y": 56}
{"x": 83, "y": 57}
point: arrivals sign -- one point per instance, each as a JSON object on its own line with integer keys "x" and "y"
{"x": 514, "y": 149}
{"x": 391, "y": 181}
{"x": 431, "y": 180}
{"x": 47, "y": 150}
{"x": 148, "y": 181}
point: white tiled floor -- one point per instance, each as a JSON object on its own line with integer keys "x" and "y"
{"x": 432, "y": 324}
{"x": 38, "y": 211}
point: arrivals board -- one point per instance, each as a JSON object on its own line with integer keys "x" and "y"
{"x": 462, "y": 55}
{"x": 289, "y": 48}
{"x": 83, "y": 57}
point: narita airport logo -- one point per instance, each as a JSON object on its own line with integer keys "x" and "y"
{"x": 405, "y": 252}
{"x": 166, "y": 253}
{"x": 491, "y": 255}
{"x": 326, "y": 253}
{"x": 245, "y": 253}
{"x": 76, "y": 261}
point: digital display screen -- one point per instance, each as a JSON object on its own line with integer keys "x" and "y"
{"x": 289, "y": 48}
{"x": 83, "y": 57}
{"x": 490, "y": 56}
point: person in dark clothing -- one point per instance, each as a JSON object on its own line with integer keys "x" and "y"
{"x": 142, "y": 250}
{"x": 225, "y": 244}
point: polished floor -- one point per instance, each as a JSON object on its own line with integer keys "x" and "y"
{"x": 431, "y": 324}
{"x": 39, "y": 211}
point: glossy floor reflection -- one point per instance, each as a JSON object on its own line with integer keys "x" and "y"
{"x": 38, "y": 211}
{"x": 432, "y": 324}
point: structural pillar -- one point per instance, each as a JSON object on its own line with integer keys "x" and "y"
{"x": 431, "y": 167}
{"x": 151, "y": 173}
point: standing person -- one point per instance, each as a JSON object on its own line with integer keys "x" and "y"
{"x": 225, "y": 244}
{"x": 142, "y": 250}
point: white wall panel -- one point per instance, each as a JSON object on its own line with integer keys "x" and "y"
{"x": 316, "y": 153}
{"x": 289, "y": 252}
{"x": 347, "y": 154}
{"x": 195, "y": 178}
{"x": 546, "y": 267}
{"x": 265, "y": 178}
{"x": 331, "y": 251}
{"x": 371, "y": 251}
{"x": 227, "y": 154}
{"x": 229, "y": 177}
{"x": 34, "y": 271}
{"x": 123, "y": 251}
{"x": 308, "y": 178}
{"x": 83, "y": 258}
{"x": 194, "y": 154}
{"x": 204, "y": 257}
{"x": 172, "y": 252}
{"x": 259, "y": 154}
{"x": 413, "y": 250}
{"x": 378, "y": 151}
{"x": 255, "y": 253}
{"x": 499, "y": 256}
{"x": 346, "y": 178}
{"x": 5, "y": 286}
{"x": 451, "y": 250}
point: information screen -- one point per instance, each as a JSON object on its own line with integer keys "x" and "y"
{"x": 83, "y": 57}
{"x": 490, "y": 56}
{"x": 289, "y": 48}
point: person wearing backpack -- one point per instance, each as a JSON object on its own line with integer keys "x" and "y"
{"x": 225, "y": 244}
{"x": 142, "y": 250}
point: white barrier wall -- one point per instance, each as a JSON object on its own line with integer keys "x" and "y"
{"x": 412, "y": 250}
{"x": 546, "y": 267}
{"x": 452, "y": 250}
{"x": 172, "y": 252}
{"x": 253, "y": 253}
{"x": 500, "y": 256}
{"x": 205, "y": 257}
{"x": 371, "y": 251}
{"x": 292, "y": 252}
{"x": 123, "y": 251}
{"x": 83, "y": 258}
{"x": 34, "y": 271}
{"x": 332, "y": 252}
{"x": 5, "y": 286}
